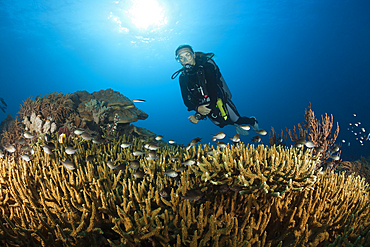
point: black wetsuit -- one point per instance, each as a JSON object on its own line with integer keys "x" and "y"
{"x": 200, "y": 85}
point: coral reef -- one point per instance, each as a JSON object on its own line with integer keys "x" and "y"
{"x": 233, "y": 196}
{"x": 35, "y": 124}
{"x": 320, "y": 133}
{"x": 358, "y": 167}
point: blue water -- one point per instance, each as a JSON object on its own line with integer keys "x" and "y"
{"x": 276, "y": 56}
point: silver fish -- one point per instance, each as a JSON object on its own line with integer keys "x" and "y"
{"x": 171, "y": 142}
{"x": 68, "y": 164}
{"x": 151, "y": 146}
{"x": 10, "y": 148}
{"x": 21, "y": 141}
{"x": 262, "y": 132}
{"x": 188, "y": 162}
{"x": 137, "y": 153}
{"x": 111, "y": 165}
{"x": 28, "y": 135}
{"x": 71, "y": 150}
{"x": 235, "y": 138}
{"x": 47, "y": 149}
{"x": 219, "y": 135}
{"x": 78, "y": 131}
{"x": 309, "y": 144}
{"x": 245, "y": 127}
{"x": 86, "y": 136}
{"x": 25, "y": 157}
{"x": 171, "y": 173}
{"x": 335, "y": 157}
{"x": 158, "y": 137}
{"x": 125, "y": 145}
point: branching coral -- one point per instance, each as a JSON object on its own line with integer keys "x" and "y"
{"x": 320, "y": 133}
{"x": 44, "y": 203}
{"x": 53, "y": 107}
{"x": 358, "y": 167}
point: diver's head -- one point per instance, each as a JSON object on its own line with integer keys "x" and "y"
{"x": 185, "y": 55}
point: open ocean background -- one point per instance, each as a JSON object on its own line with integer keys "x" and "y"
{"x": 276, "y": 57}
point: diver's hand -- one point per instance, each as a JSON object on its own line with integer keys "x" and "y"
{"x": 204, "y": 110}
{"x": 193, "y": 119}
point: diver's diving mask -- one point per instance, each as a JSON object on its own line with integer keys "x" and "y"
{"x": 185, "y": 56}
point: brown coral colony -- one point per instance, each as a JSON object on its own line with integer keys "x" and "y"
{"x": 107, "y": 182}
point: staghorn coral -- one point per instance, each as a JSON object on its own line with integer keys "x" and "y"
{"x": 42, "y": 203}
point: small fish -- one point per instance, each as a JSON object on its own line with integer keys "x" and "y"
{"x": 125, "y": 145}
{"x": 86, "y": 136}
{"x": 71, "y": 150}
{"x": 127, "y": 107}
{"x": 78, "y": 131}
{"x": 90, "y": 158}
{"x": 139, "y": 174}
{"x": 256, "y": 139}
{"x": 25, "y": 148}
{"x": 188, "y": 162}
{"x": 28, "y": 135}
{"x": 309, "y": 144}
{"x": 10, "y": 148}
{"x": 319, "y": 149}
{"x": 171, "y": 173}
{"x": 25, "y": 157}
{"x": 165, "y": 192}
{"x": 134, "y": 164}
{"x": 235, "y": 138}
{"x": 97, "y": 141}
{"x": 151, "y": 146}
{"x": 158, "y": 137}
{"x": 193, "y": 195}
{"x": 221, "y": 144}
{"x": 47, "y": 137}
{"x": 354, "y": 114}
{"x": 62, "y": 138}
{"x": 279, "y": 141}
{"x": 68, "y": 164}
{"x": 171, "y": 142}
{"x": 335, "y": 148}
{"x": 219, "y": 136}
{"x": 21, "y": 141}
{"x": 137, "y": 153}
{"x": 335, "y": 157}
{"x": 111, "y": 165}
{"x": 47, "y": 149}
{"x": 138, "y": 100}
{"x": 363, "y": 130}
{"x": 153, "y": 154}
{"x": 195, "y": 141}
{"x": 262, "y": 132}
{"x": 301, "y": 141}
{"x": 245, "y": 127}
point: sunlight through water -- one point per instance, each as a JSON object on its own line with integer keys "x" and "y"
{"x": 146, "y": 13}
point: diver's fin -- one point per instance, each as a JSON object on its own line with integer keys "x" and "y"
{"x": 241, "y": 131}
{"x": 255, "y": 125}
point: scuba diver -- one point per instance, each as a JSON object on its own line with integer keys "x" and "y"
{"x": 204, "y": 90}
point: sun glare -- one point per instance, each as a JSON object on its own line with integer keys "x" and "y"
{"x": 146, "y": 13}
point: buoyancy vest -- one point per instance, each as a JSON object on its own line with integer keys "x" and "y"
{"x": 202, "y": 58}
